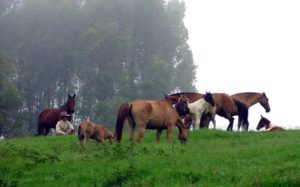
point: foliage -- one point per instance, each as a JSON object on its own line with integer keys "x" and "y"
{"x": 210, "y": 158}
{"x": 11, "y": 100}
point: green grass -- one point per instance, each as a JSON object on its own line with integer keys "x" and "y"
{"x": 210, "y": 158}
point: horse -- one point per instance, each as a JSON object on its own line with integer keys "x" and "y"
{"x": 264, "y": 122}
{"x": 49, "y": 117}
{"x": 250, "y": 99}
{"x": 88, "y": 129}
{"x": 149, "y": 114}
{"x": 226, "y": 107}
{"x": 181, "y": 110}
{"x": 196, "y": 109}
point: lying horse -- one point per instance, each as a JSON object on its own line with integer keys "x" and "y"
{"x": 250, "y": 99}
{"x": 149, "y": 114}
{"x": 88, "y": 129}
{"x": 264, "y": 122}
{"x": 49, "y": 117}
{"x": 196, "y": 109}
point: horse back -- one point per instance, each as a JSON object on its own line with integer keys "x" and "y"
{"x": 157, "y": 112}
{"x": 224, "y": 102}
{"x": 49, "y": 117}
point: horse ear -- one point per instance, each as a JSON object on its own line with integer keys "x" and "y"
{"x": 69, "y": 96}
{"x": 74, "y": 95}
{"x": 165, "y": 95}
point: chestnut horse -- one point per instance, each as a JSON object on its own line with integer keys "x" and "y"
{"x": 88, "y": 129}
{"x": 226, "y": 106}
{"x": 49, "y": 117}
{"x": 149, "y": 114}
{"x": 264, "y": 122}
{"x": 250, "y": 99}
{"x": 196, "y": 109}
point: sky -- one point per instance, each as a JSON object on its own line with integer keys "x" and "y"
{"x": 248, "y": 46}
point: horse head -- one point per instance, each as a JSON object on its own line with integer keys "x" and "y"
{"x": 208, "y": 98}
{"x": 182, "y": 105}
{"x": 264, "y": 102}
{"x": 263, "y": 122}
{"x": 70, "y": 104}
{"x": 183, "y": 132}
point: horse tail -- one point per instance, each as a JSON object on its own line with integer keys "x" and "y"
{"x": 123, "y": 113}
{"x": 40, "y": 126}
{"x": 80, "y": 133}
{"x": 243, "y": 113}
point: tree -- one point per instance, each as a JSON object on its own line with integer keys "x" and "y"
{"x": 11, "y": 101}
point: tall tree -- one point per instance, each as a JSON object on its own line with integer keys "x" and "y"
{"x": 10, "y": 101}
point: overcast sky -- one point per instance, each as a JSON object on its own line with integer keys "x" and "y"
{"x": 242, "y": 46}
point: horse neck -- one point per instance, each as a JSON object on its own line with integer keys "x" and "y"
{"x": 249, "y": 99}
{"x": 201, "y": 103}
{"x": 64, "y": 108}
{"x": 269, "y": 126}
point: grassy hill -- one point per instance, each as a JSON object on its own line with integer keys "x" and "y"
{"x": 210, "y": 158}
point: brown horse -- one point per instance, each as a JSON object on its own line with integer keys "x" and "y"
{"x": 250, "y": 99}
{"x": 88, "y": 129}
{"x": 149, "y": 114}
{"x": 264, "y": 122}
{"x": 49, "y": 117}
{"x": 226, "y": 106}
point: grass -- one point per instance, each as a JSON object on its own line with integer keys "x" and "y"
{"x": 210, "y": 158}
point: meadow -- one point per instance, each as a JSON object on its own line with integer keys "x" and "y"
{"x": 209, "y": 158}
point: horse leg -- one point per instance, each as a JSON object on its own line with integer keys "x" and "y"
{"x": 141, "y": 134}
{"x": 158, "y": 133}
{"x": 239, "y": 123}
{"x": 231, "y": 120}
{"x": 131, "y": 129}
{"x": 169, "y": 132}
{"x": 213, "y": 120}
{"x": 46, "y": 132}
{"x": 40, "y": 129}
{"x": 197, "y": 122}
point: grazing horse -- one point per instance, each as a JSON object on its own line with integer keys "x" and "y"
{"x": 49, "y": 117}
{"x": 149, "y": 114}
{"x": 264, "y": 122}
{"x": 88, "y": 129}
{"x": 226, "y": 107}
{"x": 181, "y": 110}
{"x": 250, "y": 99}
{"x": 196, "y": 109}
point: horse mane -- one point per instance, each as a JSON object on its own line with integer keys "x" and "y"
{"x": 180, "y": 93}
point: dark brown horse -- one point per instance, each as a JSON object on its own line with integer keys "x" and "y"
{"x": 264, "y": 122}
{"x": 226, "y": 106}
{"x": 250, "y": 99}
{"x": 49, "y": 117}
{"x": 149, "y": 114}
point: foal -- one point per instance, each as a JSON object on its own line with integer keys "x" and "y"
{"x": 264, "y": 122}
{"x": 88, "y": 129}
{"x": 198, "y": 108}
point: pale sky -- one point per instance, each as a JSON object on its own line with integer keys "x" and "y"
{"x": 248, "y": 46}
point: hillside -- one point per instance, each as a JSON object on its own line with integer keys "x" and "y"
{"x": 210, "y": 158}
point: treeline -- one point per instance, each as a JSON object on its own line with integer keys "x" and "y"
{"x": 105, "y": 51}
